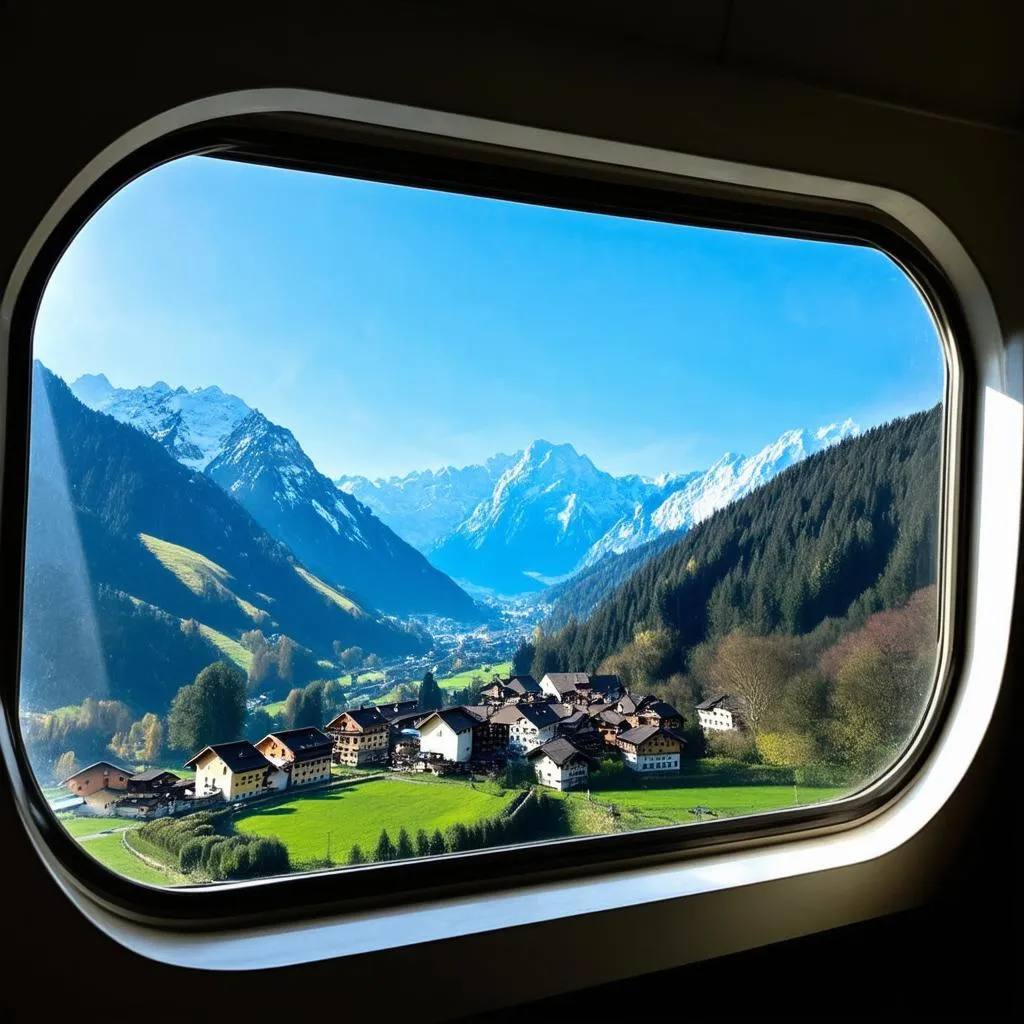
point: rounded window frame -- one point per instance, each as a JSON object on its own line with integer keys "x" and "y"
{"x": 313, "y": 131}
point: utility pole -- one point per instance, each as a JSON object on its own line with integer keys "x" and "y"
{"x": 328, "y": 847}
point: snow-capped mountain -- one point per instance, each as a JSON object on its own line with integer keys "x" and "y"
{"x": 677, "y": 503}
{"x": 545, "y": 512}
{"x": 423, "y": 506}
{"x": 191, "y": 425}
{"x": 263, "y": 467}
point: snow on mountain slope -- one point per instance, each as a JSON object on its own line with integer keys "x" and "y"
{"x": 546, "y": 510}
{"x": 423, "y": 506}
{"x": 191, "y": 425}
{"x": 679, "y": 503}
{"x": 263, "y": 467}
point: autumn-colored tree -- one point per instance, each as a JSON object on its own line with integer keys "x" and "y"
{"x": 65, "y": 766}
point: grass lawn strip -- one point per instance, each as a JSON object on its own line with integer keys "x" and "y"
{"x": 110, "y": 851}
{"x": 82, "y": 826}
{"x": 357, "y": 813}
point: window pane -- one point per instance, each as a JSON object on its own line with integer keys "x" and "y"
{"x": 529, "y": 522}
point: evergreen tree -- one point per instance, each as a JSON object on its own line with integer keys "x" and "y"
{"x": 437, "y": 844}
{"x": 422, "y": 844}
{"x": 356, "y": 855}
{"x": 430, "y": 697}
{"x": 403, "y": 845}
{"x": 385, "y": 849}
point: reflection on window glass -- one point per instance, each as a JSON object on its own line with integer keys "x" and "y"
{"x": 369, "y": 522}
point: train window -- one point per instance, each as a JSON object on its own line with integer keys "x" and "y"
{"x": 538, "y": 521}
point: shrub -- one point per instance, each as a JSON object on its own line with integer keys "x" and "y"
{"x": 192, "y": 855}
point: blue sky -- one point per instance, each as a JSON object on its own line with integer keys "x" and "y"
{"x": 394, "y": 329}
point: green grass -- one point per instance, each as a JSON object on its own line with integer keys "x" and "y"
{"x": 231, "y": 649}
{"x": 357, "y": 813}
{"x": 83, "y": 826}
{"x": 670, "y": 805}
{"x": 111, "y": 853}
{"x": 332, "y": 595}
{"x": 463, "y": 679}
{"x": 200, "y": 574}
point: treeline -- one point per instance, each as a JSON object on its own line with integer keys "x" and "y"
{"x": 200, "y": 846}
{"x": 811, "y": 598}
{"x": 539, "y": 816}
{"x": 848, "y": 531}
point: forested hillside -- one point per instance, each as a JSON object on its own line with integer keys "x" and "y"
{"x": 850, "y": 528}
{"x": 125, "y": 543}
{"x": 814, "y": 590}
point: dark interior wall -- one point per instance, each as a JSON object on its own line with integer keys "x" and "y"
{"x": 73, "y": 77}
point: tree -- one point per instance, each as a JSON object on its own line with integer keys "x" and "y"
{"x": 356, "y": 855}
{"x": 430, "y": 697}
{"x": 210, "y": 710}
{"x": 153, "y": 739}
{"x": 258, "y": 724}
{"x": 437, "y": 844}
{"x": 385, "y": 849}
{"x": 65, "y": 766}
{"x": 348, "y": 657}
{"x": 756, "y": 669}
{"x": 422, "y": 844}
{"x": 372, "y": 661}
{"x": 403, "y": 846}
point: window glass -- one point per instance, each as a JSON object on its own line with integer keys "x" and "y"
{"x": 317, "y": 453}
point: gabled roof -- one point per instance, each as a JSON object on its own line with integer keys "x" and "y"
{"x": 540, "y": 715}
{"x": 481, "y": 712}
{"x": 567, "y": 682}
{"x": 308, "y": 744}
{"x": 240, "y": 756}
{"x": 661, "y": 708}
{"x": 365, "y": 718}
{"x": 152, "y": 774}
{"x": 392, "y": 711}
{"x": 627, "y": 705}
{"x": 455, "y": 718}
{"x": 606, "y": 683}
{"x": 610, "y": 717}
{"x": 725, "y": 701}
{"x": 643, "y": 733}
{"x": 560, "y": 750}
{"x": 522, "y": 685}
{"x": 576, "y": 721}
{"x": 98, "y": 764}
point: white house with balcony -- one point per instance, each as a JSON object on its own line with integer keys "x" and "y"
{"x": 529, "y": 725}
{"x": 559, "y": 764}
{"x": 720, "y": 713}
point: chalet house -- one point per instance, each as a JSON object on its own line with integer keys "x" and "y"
{"x": 606, "y": 687}
{"x": 448, "y": 733}
{"x": 304, "y": 754}
{"x": 720, "y": 713}
{"x": 238, "y": 771}
{"x": 153, "y": 782}
{"x": 654, "y": 711}
{"x": 99, "y": 776}
{"x": 523, "y": 686}
{"x": 566, "y": 685}
{"x": 489, "y": 741}
{"x": 360, "y": 736}
{"x": 579, "y": 727}
{"x": 559, "y": 764}
{"x": 529, "y": 725}
{"x": 609, "y": 724}
{"x": 650, "y": 748}
{"x": 497, "y": 693}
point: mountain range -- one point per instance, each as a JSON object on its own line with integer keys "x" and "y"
{"x": 525, "y": 521}
{"x": 140, "y": 570}
{"x": 263, "y": 467}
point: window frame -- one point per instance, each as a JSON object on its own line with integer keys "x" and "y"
{"x": 382, "y": 145}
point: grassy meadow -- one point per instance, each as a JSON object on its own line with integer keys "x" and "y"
{"x": 357, "y": 813}
{"x": 111, "y": 853}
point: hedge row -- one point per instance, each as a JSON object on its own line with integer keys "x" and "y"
{"x": 200, "y": 845}
{"x": 540, "y": 817}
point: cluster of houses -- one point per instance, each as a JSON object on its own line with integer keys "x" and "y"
{"x": 560, "y": 726}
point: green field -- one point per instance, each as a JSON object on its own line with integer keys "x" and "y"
{"x": 231, "y": 649}
{"x": 83, "y": 826}
{"x": 649, "y": 808}
{"x": 357, "y": 813}
{"x": 463, "y": 679}
{"x": 110, "y": 852}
